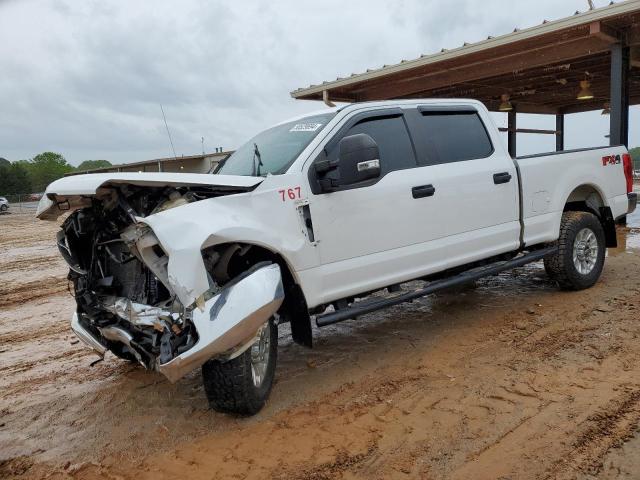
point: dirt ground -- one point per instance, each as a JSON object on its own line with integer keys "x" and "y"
{"x": 510, "y": 380}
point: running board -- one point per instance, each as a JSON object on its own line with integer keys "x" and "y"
{"x": 365, "y": 307}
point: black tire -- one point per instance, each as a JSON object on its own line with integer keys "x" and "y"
{"x": 561, "y": 266}
{"x": 3, "y": 208}
{"x": 229, "y": 385}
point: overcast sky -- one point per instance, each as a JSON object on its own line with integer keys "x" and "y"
{"x": 85, "y": 78}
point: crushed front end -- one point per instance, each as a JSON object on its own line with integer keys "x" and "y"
{"x": 126, "y": 302}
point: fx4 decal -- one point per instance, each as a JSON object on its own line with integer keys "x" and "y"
{"x": 611, "y": 160}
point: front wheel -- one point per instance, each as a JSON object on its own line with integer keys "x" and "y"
{"x": 579, "y": 260}
{"x": 3, "y": 208}
{"x": 242, "y": 385}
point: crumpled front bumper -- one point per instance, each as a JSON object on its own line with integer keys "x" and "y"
{"x": 231, "y": 319}
{"x": 226, "y": 325}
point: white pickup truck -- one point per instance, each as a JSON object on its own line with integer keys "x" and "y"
{"x": 306, "y": 220}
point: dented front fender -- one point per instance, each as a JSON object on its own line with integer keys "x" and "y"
{"x": 231, "y": 319}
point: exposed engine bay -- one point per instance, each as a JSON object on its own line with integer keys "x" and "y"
{"x": 125, "y": 302}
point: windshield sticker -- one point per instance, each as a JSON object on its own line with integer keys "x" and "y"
{"x": 305, "y": 127}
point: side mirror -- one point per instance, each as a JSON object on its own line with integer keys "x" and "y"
{"x": 358, "y": 160}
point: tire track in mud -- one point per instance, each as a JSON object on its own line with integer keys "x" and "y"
{"x": 28, "y": 365}
{"x": 328, "y": 450}
{"x": 608, "y": 428}
{"x": 22, "y": 335}
{"x": 333, "y": 469}
{"x": 24, "y": 237}
{"x": 422, "y": 412}
{"x": 30, "y": 263}
{"x": 12, "y": 294}
{"x": 60, "y": 375}
{"x": 24, "y": 229}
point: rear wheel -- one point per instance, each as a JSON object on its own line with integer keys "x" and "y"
{"x": 579, "y": 260}
{"x": 3, "y": 208}
{"x": 242, "y": 385}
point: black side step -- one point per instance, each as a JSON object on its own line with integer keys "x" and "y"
{"x": 466, "y": 277}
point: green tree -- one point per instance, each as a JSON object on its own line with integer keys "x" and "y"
{"x": 45, "y": 168}
{"x": 635, "y": 154}
{"x": 14, "y": 179}
{"x": 93, "y": 164}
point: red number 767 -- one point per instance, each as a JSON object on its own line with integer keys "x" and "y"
{"x": 291, "y": 193}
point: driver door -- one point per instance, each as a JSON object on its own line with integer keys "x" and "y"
{"x": 365, "y": 232}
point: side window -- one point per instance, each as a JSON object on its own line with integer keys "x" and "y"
{"x": 453, "y": 137}
{"x": 392, "y": 137}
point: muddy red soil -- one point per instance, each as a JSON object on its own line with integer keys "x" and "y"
{"x": 512, "y": 379}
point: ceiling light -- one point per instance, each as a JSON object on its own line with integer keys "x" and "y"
{"x": 505, "y": 105}
{"x": 585, "y": 91}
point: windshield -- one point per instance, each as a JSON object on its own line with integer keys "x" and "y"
{"x": 274, "y": 150}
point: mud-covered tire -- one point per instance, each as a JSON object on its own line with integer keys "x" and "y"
{"x": 563, "y": 266}
{"x": 3, "y": 208}
{"x": 230, "y": 386}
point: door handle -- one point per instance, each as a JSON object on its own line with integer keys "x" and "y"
{"x": 423, "y": 191}
{"x": 504, "y": 177}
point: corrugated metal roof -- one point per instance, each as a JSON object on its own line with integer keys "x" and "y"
{"x": 153, "y": 162}
{"x": 546, "y": 27}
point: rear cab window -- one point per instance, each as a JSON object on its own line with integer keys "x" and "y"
{"x": 447, "y": 135}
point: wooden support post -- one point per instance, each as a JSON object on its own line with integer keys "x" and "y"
{"x": 512, "y": 135}
{"x": 635, "y": 57}
{"x": 619, "y": 118}
{"x": 559, "y": 132}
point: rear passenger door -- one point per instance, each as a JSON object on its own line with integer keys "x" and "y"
{"x": 474, "y": 210}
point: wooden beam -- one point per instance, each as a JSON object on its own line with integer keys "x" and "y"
{"x": 493, "y": 106}
{"x": 590, "y": 106}
{"x": 601, "y": 31}
{"x": 467, "y": 72}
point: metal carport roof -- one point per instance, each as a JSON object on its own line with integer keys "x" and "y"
{"x": 540, "y": 68}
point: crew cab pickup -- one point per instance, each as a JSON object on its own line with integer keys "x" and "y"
{"x": 309, "y": 218}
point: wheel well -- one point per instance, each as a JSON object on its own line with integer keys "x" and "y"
{"x": 586, "y": 198}
{"x": 227, "y": 260}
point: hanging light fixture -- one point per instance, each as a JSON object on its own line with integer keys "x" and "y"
{"x": 505, "y": 105}
{"x": 585, "y": 92}
{"x": 607, "y": 109}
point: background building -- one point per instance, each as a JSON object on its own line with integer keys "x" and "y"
{"x": 187, "y": 164}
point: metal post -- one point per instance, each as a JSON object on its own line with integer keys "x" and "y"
{"x": 559, "y": 132}
{"x": 511, "y": 135}
{"x": 619, "y": 118}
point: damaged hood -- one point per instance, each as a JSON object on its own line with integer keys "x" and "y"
{"x": 70, "y": 190}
